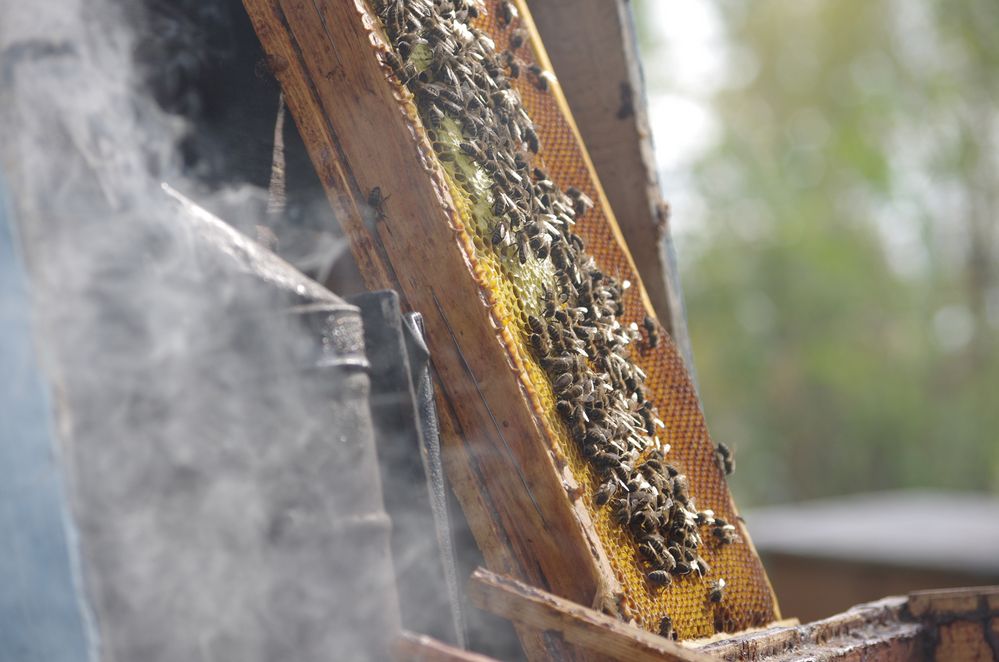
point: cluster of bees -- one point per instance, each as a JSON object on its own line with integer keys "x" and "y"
{"x": 456, "y": 72}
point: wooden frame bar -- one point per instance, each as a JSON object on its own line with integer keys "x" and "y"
{"x": 953, "y": 624}
{"x": 579, "y": 625}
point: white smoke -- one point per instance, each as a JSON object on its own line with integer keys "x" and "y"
{"x": 200, "y": 452}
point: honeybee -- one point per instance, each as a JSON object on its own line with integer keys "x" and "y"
{"x": 717, "y": 590}
{"x": 666, "y": 628}
{"x": 562, "y": 383}
{"x": 472, "y": 150}
{"x": 651, "y": 331}
{"x": 513, "y": 67}
{"x": 492, "y": 67}
{"x": 645, "y": 411}
{"x": 500, "y": 234}
{"x": 659, "y": 578}
{"x": 605, "y": 493}
{"x": 507, "y": 12}
{"x": 596, "y": 411}
{"x": 622, "y": 512}
{"x": 541, "y": 245}
{"x": 653, "y": 465}
{"x": 447, "y": 105}
{"x": 517, "y": 39}
{"x": 680, "y": 489}
{"x": 531, "y": 138}
{"x": 444, "y": 92}
{"x": 668, "y": 560}
{"x": 702, "y": 566}
{"x": 541, "y": 344}
{"x": 567, "y": 364}
{"x": 436, "y": 115}
{"x": 501, "y": 201}
{"x": 377, "y": 201}
{"x": 606, "y": 459}
{"x": 535, "y": 324}
{"x": 649, "y": 553}
{"x": 535, "y": 69}
{"x": 404, "y": 71}
{"x": 655, "y": 542}
{"x": 724, "y": 458}
{"x": 723, "y": 532}
{"x": 705, "y": 517}
{"x": 557, "y": 337}
{"x": 645, "y": 520}
{"x": 581, "y": 203}
{"x": 437, "y": 34}
{"x": 393, "y": 12}
{"x": 522, "y": 247}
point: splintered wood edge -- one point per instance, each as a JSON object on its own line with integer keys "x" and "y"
{"x": 410, "y": 647}
{"x": 577, "y": 624}
{"x": 880, "y": 626}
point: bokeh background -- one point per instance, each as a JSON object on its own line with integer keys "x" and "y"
{"x": 833, "y": 168}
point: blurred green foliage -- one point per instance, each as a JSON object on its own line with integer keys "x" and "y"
{"x": 841, "y": 284}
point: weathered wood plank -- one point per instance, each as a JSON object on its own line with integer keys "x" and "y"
{"x": 964, "y": 621}
{"x": 877, "y": 630}
{"x": 577, "y": 624}
{"x": 948, "y": 603}
{"x": 962, "y": 640}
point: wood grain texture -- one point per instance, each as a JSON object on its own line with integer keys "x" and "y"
{"x": 873, "y": 631}
{"x": 962, "y": 623}
{"x": 577, "y": 624}
{"x": 947, "y": 603}
{"x": 964, "y": 641}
